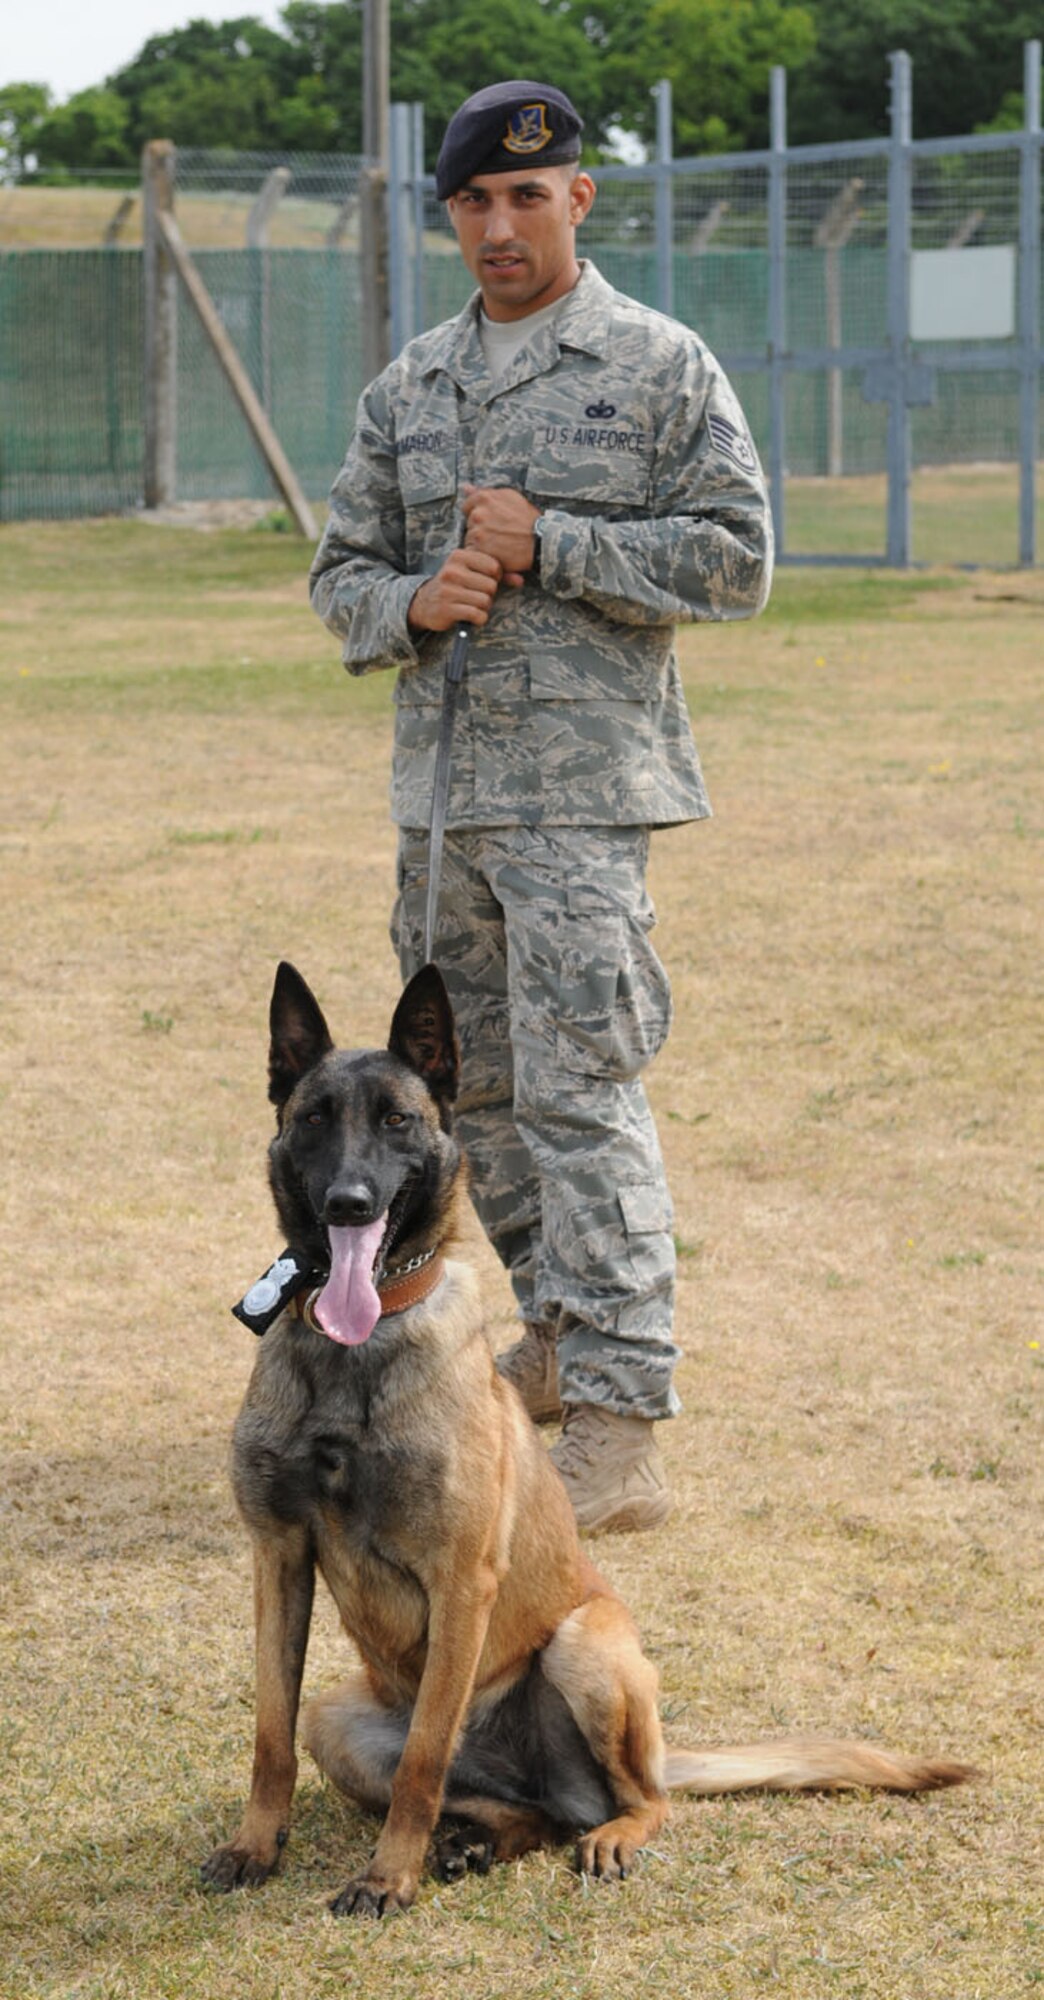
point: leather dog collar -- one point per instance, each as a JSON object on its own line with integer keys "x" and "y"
{"x": 397, "y": 1291}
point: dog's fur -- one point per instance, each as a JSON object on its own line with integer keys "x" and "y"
{"x": 503, "y": 1683}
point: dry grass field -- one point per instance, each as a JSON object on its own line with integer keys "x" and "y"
{"x": 850, "y": 1105}
{"x": 76, "y": 218}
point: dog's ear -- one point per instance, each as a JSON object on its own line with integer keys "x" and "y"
{"x": 300, "y": 1036}
{"x": 423, "y": 1034}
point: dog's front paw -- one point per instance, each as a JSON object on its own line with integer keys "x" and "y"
{"x": 238, "y": 1867}
{"x": 462, "y": 1849}
{"x": 374, "y": 1896}
{"x": 605, "y": 1856}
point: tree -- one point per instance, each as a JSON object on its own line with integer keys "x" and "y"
{"x": 241, "y": 84}
{"x": 211, "y": 84}
{"x": 966, "y": 57}
{"x": 718, "y": 55}
{"x": 23, "y": 108}
{"x": 442, "y": 50}
{"x": 308, "y": 122}
{"x": 327, "y": 53}
{"x": 90, "y": 130}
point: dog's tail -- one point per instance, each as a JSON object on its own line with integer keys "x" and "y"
{"x": 806, "y": 1764}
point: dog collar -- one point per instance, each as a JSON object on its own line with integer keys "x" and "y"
{"x": 294, "y": 1282}
{"x": 397, "y": 1291}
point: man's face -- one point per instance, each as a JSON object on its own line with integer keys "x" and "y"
{"x": 516, "y": 233}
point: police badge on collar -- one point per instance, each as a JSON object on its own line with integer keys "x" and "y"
{"x": 271, "y": 1294}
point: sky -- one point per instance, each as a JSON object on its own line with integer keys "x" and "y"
{"x": 71, "y": 44}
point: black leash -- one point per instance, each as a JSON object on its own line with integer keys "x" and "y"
{"x": 452, "y": 678}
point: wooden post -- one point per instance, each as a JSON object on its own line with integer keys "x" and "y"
{"x": 708, "y": 226}
{"x": 373, "y": 258}
{"x": 966, "y": 228}
{"x": 344, "y": 220}
{"x": 373, "y": 189}
{"x": 832, "y": 233}
{"x": 161, "y": 327}
{"x": 273, "y": 189}
{"x": 239, "y": 381}
{"x": 117, "y": 220}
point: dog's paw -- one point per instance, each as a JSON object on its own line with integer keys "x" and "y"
{"x": 235, "y": 1867}
{"x": 373, "y": 1896}
{"x": 462, "y": 1849}
{"x": 606, "y": 1857}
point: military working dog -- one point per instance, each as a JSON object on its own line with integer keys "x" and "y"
{"x": 504, "y": 1701}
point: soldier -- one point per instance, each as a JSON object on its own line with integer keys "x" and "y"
{"x": 569, "y": 473}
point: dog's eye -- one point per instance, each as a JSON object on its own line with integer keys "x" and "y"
{"x": 395, "y": 1118}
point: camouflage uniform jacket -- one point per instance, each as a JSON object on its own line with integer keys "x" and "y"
{"x": 621, "y": 427}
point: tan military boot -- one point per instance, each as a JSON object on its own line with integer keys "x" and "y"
{"x": 612, "y": 1470}
{"x": 532, "y": 1365}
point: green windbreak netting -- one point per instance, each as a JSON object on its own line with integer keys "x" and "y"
{"x": 72, "y": 362}
{"x": 72, "y": 353}
{"x": 294, "y": 316}
{"x": 70, "y": 382}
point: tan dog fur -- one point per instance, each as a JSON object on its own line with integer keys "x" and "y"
{"x": 409, "y": 1475}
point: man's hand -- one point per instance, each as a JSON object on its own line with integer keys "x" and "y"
{"x": 500, "y": 524}
{"x": 461, "y": 592}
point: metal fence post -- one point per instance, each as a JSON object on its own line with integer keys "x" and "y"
{"x": 664, "y": 198}
{"x": 899, "y": 444}
{"x": 1029, "y": 307}
{"x": 777, "y": 299}
{"x": 400, "y": 288}
{"x": 417, "y": 155}
{"x": 161, "y": 328}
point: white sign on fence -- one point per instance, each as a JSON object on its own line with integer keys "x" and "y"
{"x": 963, "y": 294}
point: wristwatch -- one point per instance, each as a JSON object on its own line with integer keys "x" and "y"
{"x": 538, "y": 529}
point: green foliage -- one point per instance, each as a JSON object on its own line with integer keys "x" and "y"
{"x": 966, "y": 56}
{"x": 1010, "y": 117}
{"x": 718, "y": 55}
{"x": 211, "y": 84}
{"x": 90, "y": 130}
{"x": 241, "y": 84}
{"x": 23, "y": 108}
{"x": 442, "y": 50}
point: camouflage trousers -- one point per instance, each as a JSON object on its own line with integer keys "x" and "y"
{"x": 560, "y": 1001}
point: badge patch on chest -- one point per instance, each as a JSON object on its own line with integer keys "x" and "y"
{"x": 732, "y": 443}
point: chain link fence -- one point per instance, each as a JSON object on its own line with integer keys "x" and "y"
{"x": 275, "y": 238}
{"x": 793, "y": 265}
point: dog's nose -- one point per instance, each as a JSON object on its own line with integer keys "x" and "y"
{"x": 350, "y": 1204}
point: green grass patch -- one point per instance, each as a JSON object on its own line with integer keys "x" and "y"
{"x": 858, "y": 596}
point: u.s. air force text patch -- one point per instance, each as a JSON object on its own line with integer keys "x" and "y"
{"x": 732, "y": 443}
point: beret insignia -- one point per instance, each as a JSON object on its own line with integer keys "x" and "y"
{"x": 527, "y": 129}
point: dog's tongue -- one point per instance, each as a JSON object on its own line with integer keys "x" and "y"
{"x": 348, "y": 1307}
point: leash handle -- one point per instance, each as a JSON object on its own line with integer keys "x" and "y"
{"x": 451, "y": 681}
{"x": 458, "y": 655}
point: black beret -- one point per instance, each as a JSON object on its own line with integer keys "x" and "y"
{"x": 500, "y": 129}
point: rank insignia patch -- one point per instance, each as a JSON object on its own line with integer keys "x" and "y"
{"x": 527, "y": 129}
{"x": 731, "y": 442}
